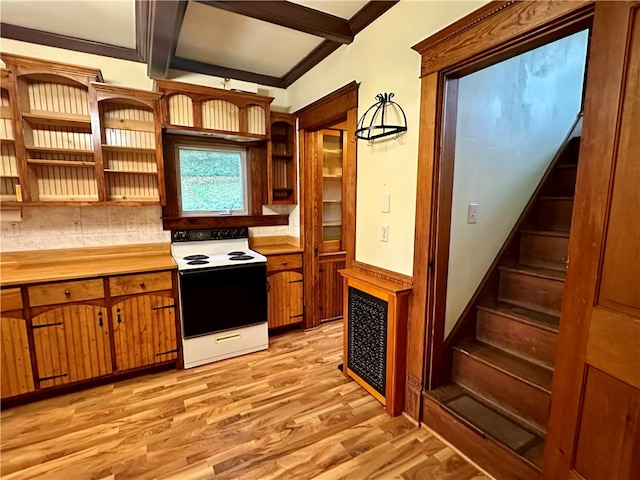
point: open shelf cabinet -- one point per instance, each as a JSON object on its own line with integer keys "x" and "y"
{"x": 281, "y": 165}
{"x": 130, "y": 144}
{"x": 9, "y": 175}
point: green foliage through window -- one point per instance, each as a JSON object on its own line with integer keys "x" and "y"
{"x": 211, "y": 180}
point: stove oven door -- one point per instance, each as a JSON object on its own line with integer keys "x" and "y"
{"x": 222, "y": 298}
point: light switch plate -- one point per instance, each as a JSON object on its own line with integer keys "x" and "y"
{"x": 385, "y": 203}
{"x": 472, "y": 213}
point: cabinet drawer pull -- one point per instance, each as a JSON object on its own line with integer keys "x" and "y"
{"x": 42, "y": 379}
{"x": 284, "y": 262}
{"x": 142, "y": 284}
{"x": 100, "y": 319}
{"x": 118, "y": 315}
{"x": 163, "y": 307}
{"x": 67, "y": 293}
{"x": 167, "y": 352}
{"x": 33, "y": 327}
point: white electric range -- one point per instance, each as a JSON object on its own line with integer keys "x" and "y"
{"x": 223, "y": 294}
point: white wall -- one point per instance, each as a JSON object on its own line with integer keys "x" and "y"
{"x": 381, "y": 60}
{"x": 512, "y": 118}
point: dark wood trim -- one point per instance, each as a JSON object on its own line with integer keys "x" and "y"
{"x": 440, "y": 235}
{"x": 419, "y": 313}
{"x": 318, "y": 54}
{"x": 330, "y": 109}
{"x": 142, "y": 29}
{"x": 350, "y": 186}
{"x": 165, "y": 21}
{"x": 459, "y": 26}
{"x": 290, "y": 15}
{"x": 188, "y": 65}
{"x": 495, "y": 33}
{"x": 383, "y": 274}
{"x": 368, "y": 14}
{"x": 39, "y": 37}
{"x": 192, "y": 223}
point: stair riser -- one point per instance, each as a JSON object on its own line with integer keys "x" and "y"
{"x": 543, "y": 250}
{"x": 520, "y": 338}
{"x": 513, "y": 394}
{"x": 535, "y": 293}
{"x": 563, "y": 182}
{"x": 554, "y": 214}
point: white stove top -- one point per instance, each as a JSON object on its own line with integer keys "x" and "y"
{"x": 214, "y": 253}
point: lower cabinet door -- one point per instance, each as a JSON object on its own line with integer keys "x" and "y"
{"x": 285, "y": 299}
{"x": 17, "y": 376}
{"x": 72, "y": 344}
{"x": 144, "y": 329}
{"x": 330, "y": 289}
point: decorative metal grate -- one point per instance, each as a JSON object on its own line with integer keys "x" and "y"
{"x": 367, "y": 337}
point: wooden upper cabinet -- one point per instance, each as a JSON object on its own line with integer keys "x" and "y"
{"x": 53, "y": 136}
{"x": 282, "y": 169}
{"x": 9, "y": 173}
{"x": 222, "y": 113}
{"x": 128, "y": 144}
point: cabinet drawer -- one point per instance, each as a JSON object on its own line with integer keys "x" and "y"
{"x": 284, "y": 262}
{"x": 66, "y": 292}
{"x": 140, "y": 283}
{"x": 10, "y": 299}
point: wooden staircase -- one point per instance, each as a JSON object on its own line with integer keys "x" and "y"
{"x": 495, "y": 408}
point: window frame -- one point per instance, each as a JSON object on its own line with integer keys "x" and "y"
{"x": 213, "y": 147}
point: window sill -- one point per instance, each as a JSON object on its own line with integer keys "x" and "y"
{"x": 223, "y": 221}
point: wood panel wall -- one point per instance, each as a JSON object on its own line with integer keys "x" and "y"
{"x": 256, "y": 120}
{"x": 180, "y": 110}
{"x": 220, "y": 115}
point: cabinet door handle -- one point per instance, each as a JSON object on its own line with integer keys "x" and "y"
{"x": 100, "y": 319}
{"x": 118, "y": 315}
{"x": 67, "y": 293}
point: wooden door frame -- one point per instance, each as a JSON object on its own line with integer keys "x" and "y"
{"x": 340, "y": 105}
{"x": 495, "y": 32}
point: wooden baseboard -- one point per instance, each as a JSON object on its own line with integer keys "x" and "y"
{"x": 489, "y": 455}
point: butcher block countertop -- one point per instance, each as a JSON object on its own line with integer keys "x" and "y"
{"x": 19, "y": 268}
{"x": 276, "y": 245}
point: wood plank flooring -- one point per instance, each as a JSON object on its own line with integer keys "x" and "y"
{"x": 285, "y": 413}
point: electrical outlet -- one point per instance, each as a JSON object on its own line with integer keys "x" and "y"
{"x": 14, "y": 229}
{"x": 76, "y": 226}
{"x": 384, "y": 233}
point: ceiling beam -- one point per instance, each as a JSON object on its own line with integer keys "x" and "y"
{"x": 368, "y": 13}
{"x": 194, "y": 66}
{"x": 318, "y": 54}
{"x": 142, "y": 28}
{"x": 165, "y": 21}
{"x": 290, "y": 15}
{"x": 31, "y": 35}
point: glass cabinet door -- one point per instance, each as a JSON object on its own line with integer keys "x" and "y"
{"x": 332, "y": 151}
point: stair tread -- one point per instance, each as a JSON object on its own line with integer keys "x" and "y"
{"x": 539, "y": 319}
{"x": 529, "y": 372}
{"x": 487, "y": 419}
{"x": 547, "y": 233}
{"x": 556, "y": 197}
{"x": 551, "y": 273}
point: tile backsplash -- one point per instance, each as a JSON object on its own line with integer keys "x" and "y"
{"x": 45, "y": 228}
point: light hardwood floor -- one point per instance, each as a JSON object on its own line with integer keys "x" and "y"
{"x": 285, "y": 413}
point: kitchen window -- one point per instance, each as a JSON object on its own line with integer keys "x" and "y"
{"x": 212, "y": 179}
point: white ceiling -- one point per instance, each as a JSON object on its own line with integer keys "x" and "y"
{"x": 105, "y": 21}
{"x": 218, "y": 37}
{"x": 210, "y": 39}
